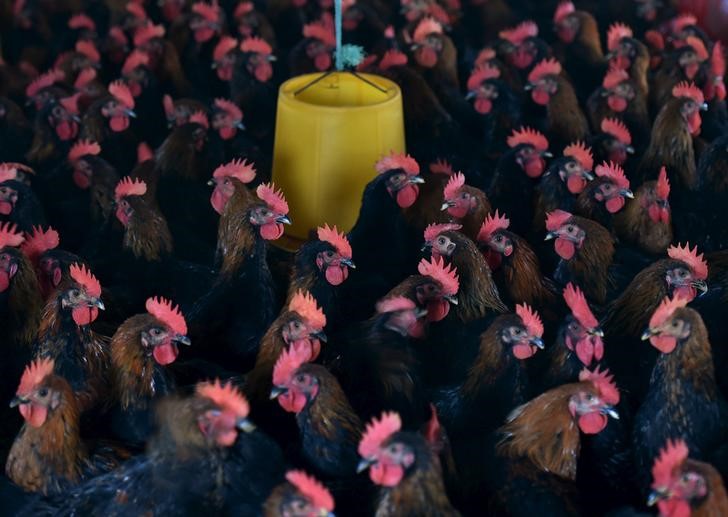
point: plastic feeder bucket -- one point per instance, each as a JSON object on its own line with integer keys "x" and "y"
{"x": 328, "y": 138}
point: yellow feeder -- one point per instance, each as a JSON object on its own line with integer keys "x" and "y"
{"x": 330, "y": 131}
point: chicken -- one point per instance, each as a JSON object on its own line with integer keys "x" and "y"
{"x": 513, "y": 179}
{"x": 565, "y": 178}
{"x": 565, "y": 122}
{"x": 313, "y": 53}
{"x": 48, "y": 455}
{"x": 626, "y": 52}
{"x": 81, "y": 356}
{"x": 18, "y": 203}
{"x": 646, "y": 222}
{"x": 406, "y": 469}
{"x": 681, "y": 65}
{"x": 251, "y": 87}
{"x": 521, "y": 47}
{"x": 605, "y": 196}
{"x": 465, "y": 204}
{"x": 684, "y": 484}
{"x": 141, "y": 348}
{"x": 147, "y": 93}
{"x": 613, "y": 143}
{"x": 586, "y": 251}
{"x": 515, "y": 266}
{"x": 683, "y": 398}
{"x": 51, "y": 264}
{"x": 529, "y": 476}
{"x": 712, "y": 173}
{"x": 301, "y": 495}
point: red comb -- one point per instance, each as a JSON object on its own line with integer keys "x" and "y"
{"x": 441, "y": 167}
{"x": 315, "y": 493}
{"x": 454, "y": 184}
{"x": 288, "y": 362}
{"x": 581, "y": 153}
{"x": 229, "y": 107}
{"x": 84, "y": 277}
{"x": 130, "y": 187}
{"x": 604, "y": 383}
{"x": 116, "y": 34}
{"x": 528, "y": 136}
{"x": 225, "y": 45}
{"x": 492, "y": 223}
{"x": 225, "y": 396}
{"x": 136, "y": 58}
{"x": 168, "y": 104}
{"x": 144, "y": 152}
{"x": 398, "y": 161}
{"x": 305, "y": 305}
{"x": 717, "y": 60}
{"x": 171, "y": 316}
{"x": 683, "y": 89}
{"x": 10, "y": 236}
{"x": 320, "y": 31}
{"x": 666, "y": 308}
{"x": 614, "y": 172}
{"x": 614, "y": 77}
{"x": 434, "y": 229}
{"x": 81, "y": 21}
{"x": 698, "y": 46}
{"x": 199, "y": 117}
{"x": 655, "y": 40}
{"x": 663, "y": 184}
{"x": 681, "y": 21}
{"x": 563, "y": 10}
{"x": 377, "y": 432}
{"x": 121, "y": 93}
{"x": 481, "y": 74}
{"x": 395, "y": 304}
{"x": 426, "y": 27}
{"x": 239, "y": 168}
{"x": 484, "y": 56}
{"x": 544, "y": 68}
{"x": 445, "y": 275}
{"x": 39, "y": 241}
{"x": 209, "y": 12}
{"x": 575, "y": 299}
{"x": 256, "y": 45}
{"x": 44, "y": 80}
{"x": 34, "y": 374}
{"x": 670, "y": 459}
{"x": 617, "y": 32}
{"x": 7, "y": 172}
{"x": 88, "y": 49}
{"x": 242, "y": 9}
{"x": 557, "y": 219}
{"x": 617, "y": 129}
{"x": 336, "y": 239}
{"x": 84, "y": 77}
{"x": 148, "y": 32}
{"x": 70, "y": 104}
{"x": 519, "y": 33}
{"x": 83, "y": 148}
{"x": 697, "y": 263}
{"x": 136, "y": 10}
{"x": 531, "y": 319}
{"x": 273, "y": 198}
{"x": 392, "y": 58}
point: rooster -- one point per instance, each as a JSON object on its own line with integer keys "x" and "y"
{"x": 300, "y": 494}
{"x": 406, "y": 469}
{"x": 140, "y": 349}
{"x": 683, "y": 398}
{"x": 81, "y": 356}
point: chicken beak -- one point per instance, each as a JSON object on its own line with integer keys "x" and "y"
{"x": 213, "y": 65}
{"x": 596, "y": 332}
{"x": 547, "y": 154}
{"x": 245, "y": 425}
{"x": 537, "y": 342}
{"x": 587, "y": 175}
{"x": 446, "y": 205}
{"x": 283, "y": 219}
{"x": 704, "y": 106}
{"x": 17, "y": 401}
{"x": 320, "y": 336}
{"x": 626, "y": 193}
{"x": 610, "y": 411}
{"x": 415, "y": 46}
{"x": 416, "y": 179}
{"x": 470, "y": 95}
{"x": 420, "y": 312}
{"x": 131, "y": 113}
{"x": 96, "y": 302}
{"x": 647, "y": 334}
{"x": 451, "y": 299}
{"x": 210, "y": 183}
{"x": 629, "y": 149}
{"x": 363, "y": 465}
{"x": 272, "y": 58}
{"x": 182, "y": 339}
{"x": 701, "y": 286}
{"x": 656, "y": 496}
{"x": 239, "y": 125}
{"x": 528, "y": 87}
{"x": 610, "y": 55}
{"x": 348, "y": 263}
{"x": 426, "y": 246}
{"x": 550, "y": 235}
{"x": 277, "y": 391}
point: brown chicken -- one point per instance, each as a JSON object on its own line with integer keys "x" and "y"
{"x": 681, "y": 484}
{"x": 301, "y": 495}
{"x": 405, "y": 467}
{"x": 605, "y": 196}
{"x": 625, "y": 52}
{"x": 686, "y": 63}
{"x": 465, "y": 204}
{"x": 48, "y": 455}
{"x": 586, "y": 250}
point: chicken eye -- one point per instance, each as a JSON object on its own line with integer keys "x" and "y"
{"x": 329, "y": 254}
{"x": 675, "y": 324}
{"x": 441, "y": 240}
{"x": 498, "y": 238}
{"x": 300, "y": 378}
{"x": 590, "y": 397}
{"x": 570, "y": 229}
{"x": 75, "y": 293}
{"x": 43, "y": 392}
{"x": 156, "y": 332}
{"x": 297, "y": 324}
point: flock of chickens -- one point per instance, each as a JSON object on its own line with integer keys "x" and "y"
{"x": 526, "y": 319}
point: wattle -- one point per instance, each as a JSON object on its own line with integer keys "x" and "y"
{"x": 592, "y": 423}
{"x": 564, "y": 248}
